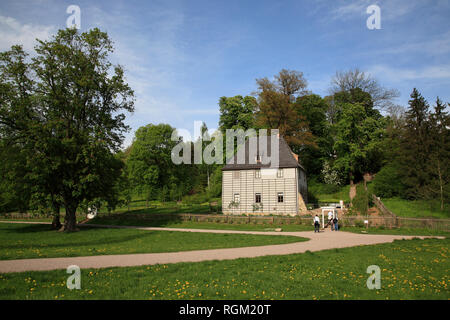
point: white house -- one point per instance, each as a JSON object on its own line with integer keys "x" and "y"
{"x": 255, "y": 188}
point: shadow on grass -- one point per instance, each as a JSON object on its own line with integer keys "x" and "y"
{"x": 123, "y": 219}
{"x": 29, "y": 228}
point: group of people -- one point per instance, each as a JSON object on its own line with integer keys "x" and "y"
{"x": 332, "y": 221}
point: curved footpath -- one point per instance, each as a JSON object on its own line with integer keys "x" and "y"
{"x": 318, "y": 241}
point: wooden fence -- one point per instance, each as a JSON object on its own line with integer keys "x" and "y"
{"x": 380, "y": 205}
{"x": 388, "y": 222}
{"x": 26, "y": 216}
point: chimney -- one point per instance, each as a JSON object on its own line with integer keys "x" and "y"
{"x": 295, "y": 156}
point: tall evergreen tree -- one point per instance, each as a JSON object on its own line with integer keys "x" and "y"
{"x": 438, "y": 165}
{"x": 415, "y": 145}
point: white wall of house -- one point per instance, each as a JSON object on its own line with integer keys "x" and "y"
{"x": 244, "y": 185}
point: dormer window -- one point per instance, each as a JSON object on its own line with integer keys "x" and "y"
{"x": 280, "y": 173}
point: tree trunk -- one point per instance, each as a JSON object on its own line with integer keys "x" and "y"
{"x": 441, "y": 191}
{"x": 56, "y": 223}
{"x": 352, "y": 191}
{"x": 71, "y": 218}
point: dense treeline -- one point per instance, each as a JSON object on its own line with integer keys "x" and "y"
{"x": 62, "y": 125}
{"x": 355, "y": 131}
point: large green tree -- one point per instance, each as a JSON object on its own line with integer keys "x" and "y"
{"x": 152, "y": 172}
{"x": 276, "y": 107}
{"x": 358, "y": 142}
{"x": 237, "y": 112}
{"x": 346, "y": 81}
{"x": 415, "y": 145}
{"x": 15, "y": 188}
{"x": 71, "y": 102}
{"x": 313, "y": 109}
{"x": 439, "y": 156}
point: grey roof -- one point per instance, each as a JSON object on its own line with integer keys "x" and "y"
{"x": 286, "y": 157}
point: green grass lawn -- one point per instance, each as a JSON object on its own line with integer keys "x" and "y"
{"x": 170, "y": 223}
{"x": 398, "y": 231}
{"x": 327, "y": 193}
{"x": 19, "y": 241}
{"x": 410, "y": 269}
{"x": 158, "y": 207}
{"x": 174, "y": 223}
{"x": 138, "y": 206}
{"x": 417, "y": 208}
{"x": 257, "y": 227}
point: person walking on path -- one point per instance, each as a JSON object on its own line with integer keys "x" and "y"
{"x": 335, "y": 222}
{"x": 330, "y": 220}
{"x": 316, "y": 223}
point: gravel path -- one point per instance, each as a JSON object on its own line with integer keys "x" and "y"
{"x": 318, "y": 241}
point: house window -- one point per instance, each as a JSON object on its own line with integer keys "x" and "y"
{"x": 257, "y": 197}
{"x": 258, "y": 174}
{"x": 280, "y": 173}
{"x": 236, "y": 174}
{"x": 236, "y": 198}
{"x": 280, "y": 197}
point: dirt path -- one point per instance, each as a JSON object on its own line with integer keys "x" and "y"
{"x": 318, "y": 241}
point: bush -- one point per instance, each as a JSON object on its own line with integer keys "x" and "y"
{"x": 197, "y": 198}
{"x": 387, "y": 182}
{"x": 361, "y": 200}
{"x": 359, "y": 224}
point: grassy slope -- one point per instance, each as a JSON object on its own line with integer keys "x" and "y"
{"x": 416, "y": 208}
{"x": 323, "y": 192}
{"x": 401, "y": 207}
{"x": 18, "y": 241}
{"x": 410, "y": 269}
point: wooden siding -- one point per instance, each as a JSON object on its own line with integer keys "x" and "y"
{"x": 268, "y": 185}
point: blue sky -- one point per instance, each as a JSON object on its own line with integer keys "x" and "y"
{"x": 180, "y": 57}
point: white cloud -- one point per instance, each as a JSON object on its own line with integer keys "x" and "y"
{"x": 404, "y": 74}
{"x": 350, "y": 10}
{"x": 13, "y": 32}
{"x": 391, "y": 9}
{"x": 434, "y": 46}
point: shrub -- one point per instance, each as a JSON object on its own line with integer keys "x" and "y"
{"x": 361, "y": 200}
{"x": 387, "y": 182}
{"x": 197, "y": 198}
{"x": 330, "y": 175}
{"x": 359, "y": 224}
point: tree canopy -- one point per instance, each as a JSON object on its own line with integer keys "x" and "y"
{"x": 65, "y": 108}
